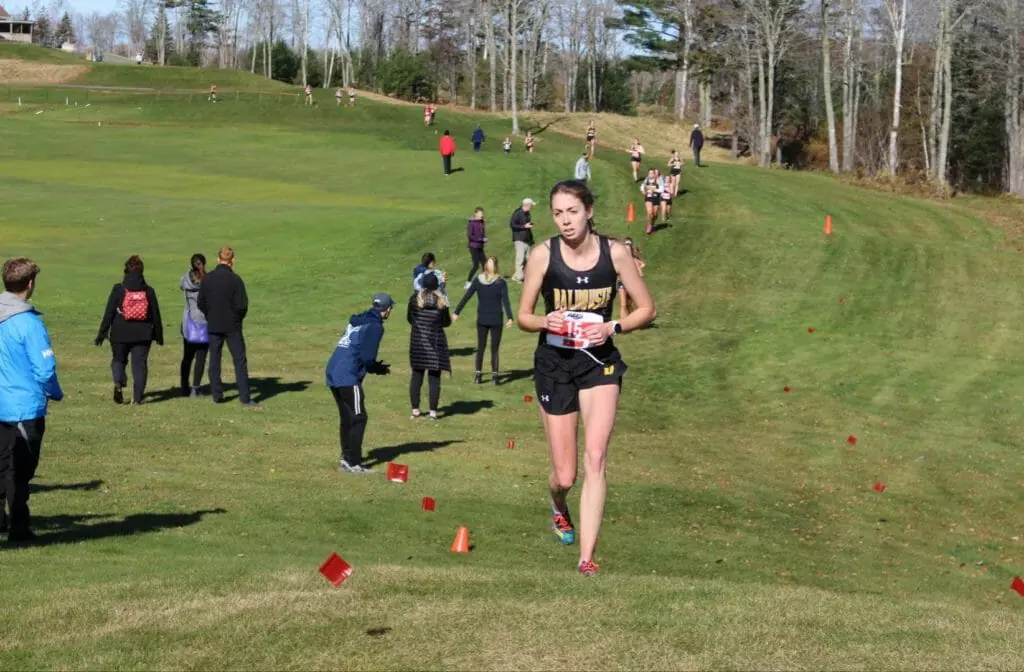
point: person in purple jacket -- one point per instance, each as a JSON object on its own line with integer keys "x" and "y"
{"x": 476, "y": 233}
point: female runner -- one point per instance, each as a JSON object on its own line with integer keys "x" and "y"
{"x": 577, "y": 368}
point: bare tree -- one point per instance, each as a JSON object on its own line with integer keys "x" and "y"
{"x": 852, "y": 31}
{"x": 570, "y": 44}
{"x": 490, "y": 47}
{"x": 136, "y": 15}
{"x": 896, "y": 10}
{"x": 826, "y": 70}
{"x": 942, "y": 89}
{"x": 1012, "y": 18}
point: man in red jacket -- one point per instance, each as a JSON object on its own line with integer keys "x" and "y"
{"x": 447, "y": 151}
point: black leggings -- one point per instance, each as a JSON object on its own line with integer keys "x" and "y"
{"x": 477, "y": 255}
{"x": 481, "y": 343}
{"x": 433, "y": 387}
{"x": 196, "y": 351}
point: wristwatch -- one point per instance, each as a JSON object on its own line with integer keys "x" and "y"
{"x": 616, "y": 327}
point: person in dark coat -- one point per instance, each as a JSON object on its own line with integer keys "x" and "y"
{"x": 697, "y": 143}
{"x": 492, "y": 291}
{"x": 477, "y": 138}
{"x": 429, "y": 316}
{"x": 132, "y": 323}
{"x": 476, "y": 236}
{"x": 224, "y": 302}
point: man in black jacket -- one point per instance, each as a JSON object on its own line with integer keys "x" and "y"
{"x": 697, "y": 143}
{"x": 522, "y": 236}
{"x": 222, "y": 299}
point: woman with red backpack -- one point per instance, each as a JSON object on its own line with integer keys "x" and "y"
{"x": 132, "y": 323}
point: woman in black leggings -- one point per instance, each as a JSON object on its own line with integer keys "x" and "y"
{"x": 429, "y": 315}
{"x": 493, "y": 292}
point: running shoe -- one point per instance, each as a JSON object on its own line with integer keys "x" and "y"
{"x": 588, "y": 568}
{"x": 561, "y": 524}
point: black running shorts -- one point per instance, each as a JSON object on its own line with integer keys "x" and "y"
{"x": 560, "y": 373}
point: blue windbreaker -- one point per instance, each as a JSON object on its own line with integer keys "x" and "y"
{"x": 357, "y": 350}
{"x": 28, "y": 369}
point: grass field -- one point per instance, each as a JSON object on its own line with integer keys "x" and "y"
{"x": 742, "y": 529}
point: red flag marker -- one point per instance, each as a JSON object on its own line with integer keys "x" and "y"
{"x": 528, "y": 399}
{"x": 852, "y": 440}
{"x": 429, "y": 504}
{"x": 810, "y": 330}
{"x": 398, "y": 473}
{"x": 511, "y": 444}
{"x": 879, "y": 487}
{"x": 335, "y": 569}
{"x": 786, "y": 389}
{"x": 1018, "y": 585}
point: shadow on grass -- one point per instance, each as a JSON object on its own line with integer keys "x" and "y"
{"x": 37, "y": 488}
{"x": 69, "y": 529}
{"x": 260, "y": 389}
{"x": 465, "y": 407}
{"x": 389, "y": 453}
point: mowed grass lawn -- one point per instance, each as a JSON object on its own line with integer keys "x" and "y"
{"x": 742, "y": 529}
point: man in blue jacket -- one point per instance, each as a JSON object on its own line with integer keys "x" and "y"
{"x": 28, "y": 380}
{"x": 354, "y": 357}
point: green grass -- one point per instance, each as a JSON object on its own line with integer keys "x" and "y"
{"x": 36, "y": 54}
{"x": 741, "y": 528}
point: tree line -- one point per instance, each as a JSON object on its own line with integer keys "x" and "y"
{"x": 926, "y": 91}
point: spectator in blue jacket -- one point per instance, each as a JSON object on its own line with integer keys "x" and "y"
{"x": 478, "y": 138}
{"x": 28, "y": 380}
{"x": 354, "y": 357}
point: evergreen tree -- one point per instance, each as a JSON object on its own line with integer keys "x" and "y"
{"x": 42, "y": 33}
{"x": 65, "y": 31}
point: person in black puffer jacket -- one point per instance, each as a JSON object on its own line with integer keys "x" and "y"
{"x": 132, "y": 323}
{"x": 493, "y": 293}
{"x": 428, "y": 346}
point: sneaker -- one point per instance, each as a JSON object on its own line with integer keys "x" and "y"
{"x": 432, "y": 416}
{"x": 118, "y": 395}
{"x": 561, "y": 525}
{"x": 415, "y": 415}
{"x": 494, "y": 378}
{"x": 354, "y": 468}
{"x": 478, "y": 378}
{"x": 588, "y": 568}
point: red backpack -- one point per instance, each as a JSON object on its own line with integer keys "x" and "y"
{"x": 135, "y": 306}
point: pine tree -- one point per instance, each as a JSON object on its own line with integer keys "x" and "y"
{"x": 42, "y": 33}
{"x": 65, "y": 31}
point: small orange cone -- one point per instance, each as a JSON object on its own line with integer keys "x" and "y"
{"x": 461, "y": 543}
{"x": 828, "y": 225}
{"x": 630, "y": 214}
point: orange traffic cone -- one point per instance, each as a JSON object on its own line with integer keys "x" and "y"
{"x": 461, "y": 543}
{"x": 828, "y": 225}
{"x": 630, "y": 214}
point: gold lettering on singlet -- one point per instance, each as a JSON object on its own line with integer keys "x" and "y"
{"x": 583, "y": 299}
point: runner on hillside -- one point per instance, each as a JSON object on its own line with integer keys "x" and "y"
{"x": 591, "y": 137}
{"x": 675, "y": 165}
{"x": 666, "y": 197}
{"x": 625, "y": 301}
{"x": 213, "y": 93}
{"x": 636, "y": 156}
{"x": 506, "y": 145}
{"x": 577, "y": 368}
{"x": 351, "y": 97}
{"x": 528, "y": 141}
{"x": 651, "y": 189}
{"x": 338, "y": 95}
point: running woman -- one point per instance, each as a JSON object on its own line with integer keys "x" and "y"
{"x": 338, "y": 95}
{"x": 666, "y": 197}
{"x": 625, "y": 301}
{"x": 675, "y": 165}
{"x": 591, "y": 137}
{"x": 636, "y": 155}
{"x": 651, "y": 189}
{"x": 309, "y": 94}
{"x": 213, "y": 93}
{"x": 577, "y": 368}
{"x": 529, "y": 142}
{"x": 506, "y": 145}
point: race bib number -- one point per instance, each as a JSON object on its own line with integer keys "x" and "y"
{"x": 571, "y": 335}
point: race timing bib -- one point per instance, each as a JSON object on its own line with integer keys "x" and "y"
{"x": 571, "y": 335}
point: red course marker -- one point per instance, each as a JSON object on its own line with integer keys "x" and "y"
{"x": 398, "y": 473}
{"x": 528, "y": 399}
{"x": 429, "y": 504}
{"x": 879, "y": 487}
{"x": 786, "y": 389}
{"x": 511, "y": 444}
{"x": 852, "y": 440}
{"x": 1018, "y": 585}
{"x": 335, "y": 569}
{"x": 810, "y": 330}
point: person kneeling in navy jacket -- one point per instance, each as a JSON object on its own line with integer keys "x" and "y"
{"x": 354, "y": 357}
